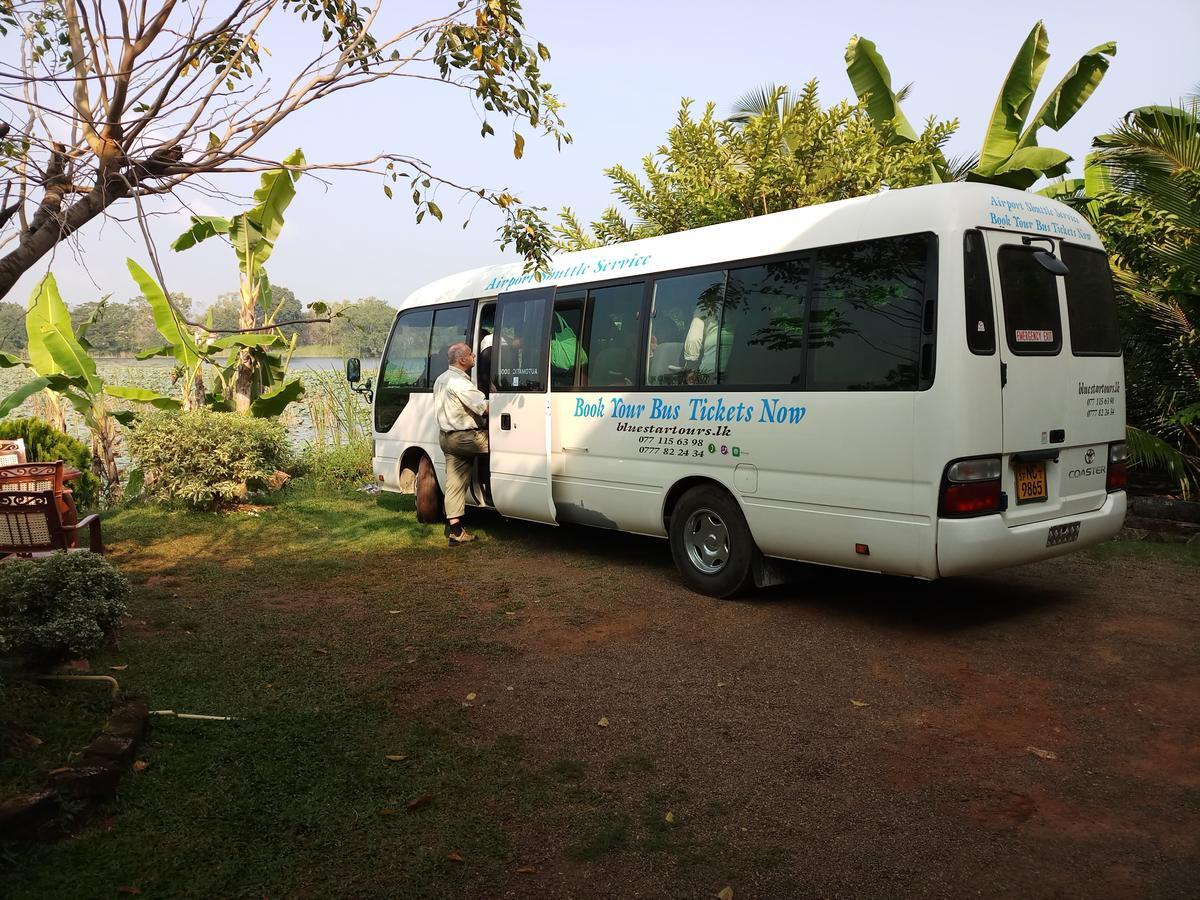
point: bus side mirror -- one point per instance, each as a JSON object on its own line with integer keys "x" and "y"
{"x": 353, "y": 370}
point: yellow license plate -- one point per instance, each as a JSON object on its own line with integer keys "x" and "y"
{"x": 1030, "y": 481}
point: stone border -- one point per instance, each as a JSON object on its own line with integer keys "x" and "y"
{"x": 90, "y": 781}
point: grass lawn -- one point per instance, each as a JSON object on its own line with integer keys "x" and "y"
{"x": 279, "y": 618}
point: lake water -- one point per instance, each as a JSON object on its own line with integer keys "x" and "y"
{"x": 323, "y": 376}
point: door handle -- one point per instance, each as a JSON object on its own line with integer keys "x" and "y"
{"x": 505, "y": 422}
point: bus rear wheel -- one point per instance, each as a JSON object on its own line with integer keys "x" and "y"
{"x": 429, "y": 495}
{"x": 711, "y": 542}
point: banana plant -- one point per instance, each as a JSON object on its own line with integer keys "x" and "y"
{"x": 61, "y": 364}
{"x": 1010, "y": 155}
{"x": 257, "y": 375}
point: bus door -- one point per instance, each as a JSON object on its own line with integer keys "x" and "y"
{"x": 1054, "y": 452}
{"x": 519, "y": 417}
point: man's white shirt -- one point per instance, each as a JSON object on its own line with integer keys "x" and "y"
{"x": 459, "y": 403}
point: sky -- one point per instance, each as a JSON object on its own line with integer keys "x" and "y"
{"x": 621, "y": 68}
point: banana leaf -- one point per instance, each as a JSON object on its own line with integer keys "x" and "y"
{"x": 203, "y": 227}
{"x": 873, "y": 84}
{"x": 141, "y": 395}
{"x": 46, "y": 308}
{"x": 1012, "y": 105}
{"x": 1029, "y": 164}
{"x": 276, "y": 401}
{"x": 125, "y": 416}
{"x": 275, "y": 192}
{"x": 1068, "y": 187}
{"x": 23, "y": 393}
{"x": 165, "y": 350}
{"x": 1071, "y": 93}
{"x": 166, "y": 321}
{"x": 258, "y": 339}
{"x": 70, "y": 358}
{"x": 9, "y": 362}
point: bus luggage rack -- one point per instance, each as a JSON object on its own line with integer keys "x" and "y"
{"x": 1063, "y": 534}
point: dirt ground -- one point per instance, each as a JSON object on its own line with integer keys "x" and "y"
{"x": 1032, "y": 733}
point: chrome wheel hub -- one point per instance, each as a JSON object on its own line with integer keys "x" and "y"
{"x": 707, "y": 541}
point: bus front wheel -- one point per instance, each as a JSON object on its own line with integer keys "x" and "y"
{"x": 711, "y": 542}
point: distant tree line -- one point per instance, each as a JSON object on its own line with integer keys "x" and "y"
{"x": 126, "y": 328}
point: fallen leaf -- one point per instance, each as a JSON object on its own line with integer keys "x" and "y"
{"x": 527, "y": 870}
{"x": 28, "y": 741}
{"x": 603, "y": 723}
{"x": 396, "y": 757}
{"x": 860, "y": 703}
{"x": 387, "y": 811}
{"x": 726, "y": 893}
{"x": 418, "y": 802}
{"x": 140, "y": 765}
{"x": 60, "y": 770}
{"x": 119, "y": 668}
{"x": 669, "y": 817}
{"x": 1044, "y": 754}
{"x": 471, "y": 696}
{"x": 454, "y": 856}
{"x": 393, "y": 612}
{"x": 509, "y": 688}
{"x": 321, "y": 650}
{"x": 720, "y": 684}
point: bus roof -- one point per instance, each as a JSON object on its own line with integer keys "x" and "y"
{"x": 936, "y": 208}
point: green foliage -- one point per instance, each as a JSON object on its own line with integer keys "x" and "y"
{"x": 59, "y": 607}
{"x": 790, "y": 152}
{"x": 1142, "y": 192}
{"x": 1010, "y": 155}
{"x": 206, "y": 459}
{"x": 338, "y": 466}
{"x": 46, "y": 444}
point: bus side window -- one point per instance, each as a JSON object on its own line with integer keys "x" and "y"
{"x": 612, "y": 334}
{"x": 565, "y": 347}
{"x": 687, "y": 314}
{"x": 449, "y": 327}
{"x": 762, "y": 326}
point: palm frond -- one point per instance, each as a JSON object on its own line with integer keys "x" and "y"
{"x": 761, "y": 101}
{"x": 1152, "y": 452}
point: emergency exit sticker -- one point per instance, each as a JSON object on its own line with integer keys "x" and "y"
{"x": 1034, "y": 337}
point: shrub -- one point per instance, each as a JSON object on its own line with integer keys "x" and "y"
{"x": 206, "y": 459}
{"x": 59, "y": 607}
{"x": 339, "y": 465}
{"x": 46, "y": 444}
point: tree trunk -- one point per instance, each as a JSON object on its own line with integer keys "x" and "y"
{"x": 246, "y": 385}
{"x": 104, "y": 452}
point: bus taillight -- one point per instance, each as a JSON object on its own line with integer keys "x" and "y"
{"x": 971, "y": 487}
{"x": 1117, "y": 476}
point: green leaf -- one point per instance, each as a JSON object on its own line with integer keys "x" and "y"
{"x": 203, "y": 227}
{"x": 1029, "y": 164}
{"x": 71, "y": 359}
{"x": 873, "y": 84}
{"x": 141, "y": 395}
{"x": 1012, "y": 105}
{"x": 1070, "y": 93}
{"x": 1097, "y": 179}
{"x": 435, "y": 210}
{"x": 1068, "y": 187}
{"x": 247, "y": 340}
{"x": 166, "y": 321}
{"x": 125, "y": 416}
{"x": 8, "y": 362}
{"x": 167, "y": 350}
{"x": 274, "y": 402}
{"x": 275, "y": 192}
{"x": 21, "y": 394}
{"x": 136, "y": 483}
{"x": 46, "y": 309}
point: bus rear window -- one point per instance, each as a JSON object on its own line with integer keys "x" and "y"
{"x": 1091, "y": 304}
{"x": 1032, "y": 322}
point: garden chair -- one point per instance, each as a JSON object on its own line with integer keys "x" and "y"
{"x": 30, "y": 526}
{"x": 41, "y": 476}
{"x": 12, "y": 451}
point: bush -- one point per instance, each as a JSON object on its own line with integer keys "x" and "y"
{"x": 46, "y": 444}
{"x": 339, "y": 465}
{"x": 207, "y": 459}
{"x": 59, "y": 607}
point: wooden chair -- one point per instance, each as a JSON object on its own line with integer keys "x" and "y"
{"x": 30, "y": 526}
{"x": 12, "y": 451}
{"x": 41, "y": 476}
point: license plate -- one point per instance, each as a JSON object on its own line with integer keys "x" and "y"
{"x": 1030, "y": 481}
{"x": 1063, "y": 534}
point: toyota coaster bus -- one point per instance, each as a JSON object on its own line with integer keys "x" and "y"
{"x": 923, "y": 382}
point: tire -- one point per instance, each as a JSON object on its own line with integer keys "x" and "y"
{"x": 711, "y": 542}
{"x": 429, "y": 495}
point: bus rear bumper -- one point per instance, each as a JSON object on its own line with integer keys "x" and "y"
{"x": 972, "y": 546}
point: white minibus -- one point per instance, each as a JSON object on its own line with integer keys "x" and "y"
{"x": 924, "y": 382}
